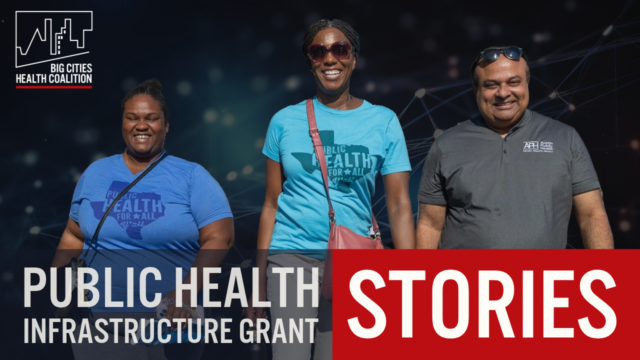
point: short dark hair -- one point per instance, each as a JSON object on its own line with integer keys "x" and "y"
{"x": 152, "y": 88}
{"x": 320, "y": 25}
{"x": 479, "y": 57}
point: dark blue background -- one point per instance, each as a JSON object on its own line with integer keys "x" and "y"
{"x": 241, "y": 61}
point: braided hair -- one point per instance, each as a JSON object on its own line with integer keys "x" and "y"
{"x": 320, "y": 25}
{"x": 152, "y": 88}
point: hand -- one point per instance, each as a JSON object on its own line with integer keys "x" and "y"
{"x": 175, "y": 312}
{"x": 254, "y": 313}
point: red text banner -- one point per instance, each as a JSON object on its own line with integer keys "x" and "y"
{"x": 499, "y": 304}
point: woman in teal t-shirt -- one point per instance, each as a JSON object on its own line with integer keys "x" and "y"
{"x": 360, "y": 140}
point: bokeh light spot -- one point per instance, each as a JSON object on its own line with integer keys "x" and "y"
{"x": 228, "y": 120}
{"x": 407, "y": 21}
{"x": 625, "y": 225}
{"x": 292, "y": 83}
{"x": 129, "y": 83}
{"x": 210, "y": 116}
{"x": 86, "y": 136}
{"x": 215, "y": 75}
{"x": 30, "y": 158}
{"x": 184, "y": 88}
{"x": 260, "y": 83}
{"x": 430, "y": 45}
{"x": 370, "y": 87}
{"x": 97, "y": 156}
{"x": 265, "y": 49}
{"x": 541, "y": 37}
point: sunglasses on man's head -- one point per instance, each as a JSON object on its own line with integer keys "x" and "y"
{"x": 491, "y": 55}
{"x": 340, "y": 51}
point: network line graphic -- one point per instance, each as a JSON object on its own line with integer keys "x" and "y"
{"x": 561, "y": 104}
{"x": 588, "y": 75}
{"x": 572, "y": 96}
{"x": 60, "y": 41}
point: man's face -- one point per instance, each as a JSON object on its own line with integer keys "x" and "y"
{"x": 502, "y": 92}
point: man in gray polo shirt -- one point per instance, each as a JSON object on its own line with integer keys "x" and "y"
{"x": 510, "y": 177}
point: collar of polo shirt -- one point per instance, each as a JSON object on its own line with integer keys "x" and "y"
{"x": 478, "y": 120}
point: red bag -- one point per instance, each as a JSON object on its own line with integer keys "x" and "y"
{"x": 340, "y": 237}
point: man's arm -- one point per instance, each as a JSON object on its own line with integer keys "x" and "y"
{"x": 430, "y": 222}
{"x": 592, "y": 219}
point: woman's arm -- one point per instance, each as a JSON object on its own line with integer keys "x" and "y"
{"x": 70, "y": 245}
{"x": 216, "y": 239}
{"x": 399, "y": 208}
{"x": 275, "y": 179}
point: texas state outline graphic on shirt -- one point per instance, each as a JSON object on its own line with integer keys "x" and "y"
{"x": 133, "y": 211}
{"x": 346, "y": 164}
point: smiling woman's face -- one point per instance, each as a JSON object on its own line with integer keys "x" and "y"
{"x": 144, "y": 126}
{"x": 332, "y": 75}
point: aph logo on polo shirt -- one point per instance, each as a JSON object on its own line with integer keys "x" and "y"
{"x": 133, "y": 211}
{"x": 538, "y": 146}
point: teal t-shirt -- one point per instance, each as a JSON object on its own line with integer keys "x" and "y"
{"x": 358, "y": 144}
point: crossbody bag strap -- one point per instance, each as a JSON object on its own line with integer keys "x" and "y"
{"x": 317, "y": 146}
{"x": 113, "y": 203}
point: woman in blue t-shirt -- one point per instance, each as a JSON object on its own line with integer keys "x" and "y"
{"x": 166, "y": 221}
{"x": 359, "y": 140}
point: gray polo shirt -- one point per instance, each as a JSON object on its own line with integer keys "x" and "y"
{"x": 512, "y": 192}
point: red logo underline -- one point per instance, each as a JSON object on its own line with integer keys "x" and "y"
{"x": 53, "y": 87}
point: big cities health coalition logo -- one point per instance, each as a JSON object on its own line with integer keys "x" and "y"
{"x": 49, "y": 46}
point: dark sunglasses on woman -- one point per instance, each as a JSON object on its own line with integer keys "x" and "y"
{"x": 340, "y": 51}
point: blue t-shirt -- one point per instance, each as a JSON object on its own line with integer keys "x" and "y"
{"x": 154, "y": 224}
{"x": 358, "y": 144}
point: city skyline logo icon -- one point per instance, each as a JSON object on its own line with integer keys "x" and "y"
{"x": 45, "y": 36}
